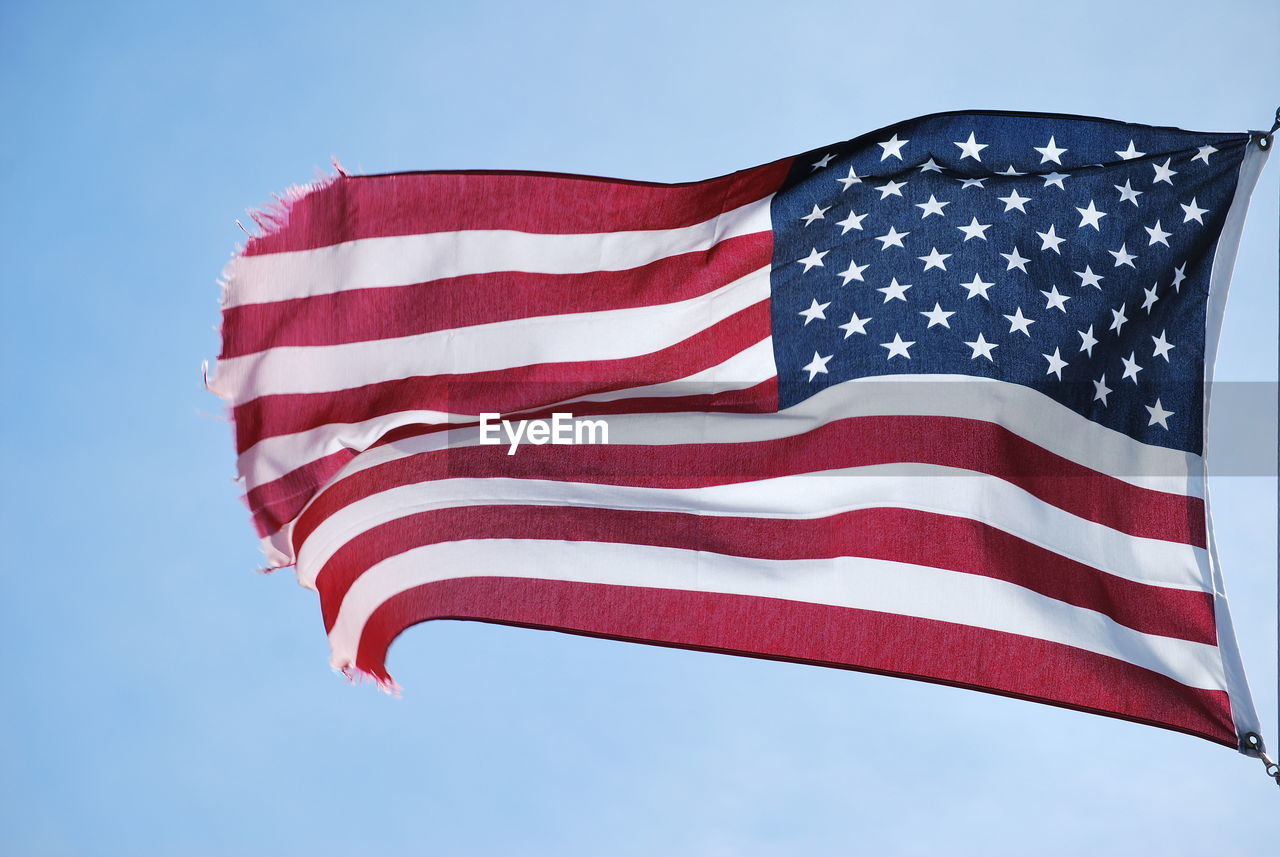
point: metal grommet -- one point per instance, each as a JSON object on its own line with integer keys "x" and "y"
{"x": 1251, "y": 744}
{"x": 1264, "y": 141}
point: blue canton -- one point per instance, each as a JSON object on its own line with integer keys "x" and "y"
{"x": 1066, "y": 254}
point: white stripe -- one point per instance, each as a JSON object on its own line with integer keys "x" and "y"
{"x": 1025, "y": 412}
{"x": 1022, "y": 410}
{"x": 745, "y": 369}
{"x": 588, "y": 336}
{"x": 887, "y": 587}
{"x": 928, "y": 488}
{"x": 405, "y": 259}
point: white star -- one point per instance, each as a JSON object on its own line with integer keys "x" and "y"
{"x": 1130, "y": 153}
{"x": 1089, "y": 278}
{"x": 1163, "y": 173}
{"x": 815, "y": 310}
{"x": 1131, "y": 368}
{"x": 1101, "y": 390}
{"x": 849, "y": 180}
{"x": 938, "y": 316}
{"x": 930, "y": 166}
{"x": 816, "y": 214}
{"x": 853, "y": 272}
{"x": 935, "y": 260}
{"x": 977, "y": 287}
{"x": 822, "y": 162}
{"x": 1020, "y": 322}
{"x": 813, "y": 260}
{"x": 1128, "y": 193}
{"x": 1090, "y": 216}
{"x": 891, "y": 188}
{"x": 1123, "y": 257}
{"x": 931, "y": 207}
{"x": 894, "y": 291}
{"x": 892, "y": 146}
{"x": 1016, "y": 260}
{"x": 1013, "y": 200}
{"x": 1051, "y": 240}
{"x": 1193, "y": 212}
{"x": 855, "y": 325}
{"x": 971, "y": 149}
{"x": 982, "y": 348}
{"x": 1204, "y": 153}
{"x": 853, "y": 221}
{"x": 1056, "y": 363}
{"x": 1158, "y": 235}
{"x": 1179, "y": 274}
{"x": 1055, "y": 299}
{"x": 1010, "y": 171}
{"x": 1050, "y": 152}
{"x": 1055, "y": 178}
{"x": 1158, "y": 414}
{"x": 817, "y": 366}
{"x": 1163, "y": 346}
{"x": 975, "y": 229}
{"x": 964, "y": 183}
{"x": 898, "y": 347}
{"x": 1118, "y": 319}
{"x": 1087, "y": 340}
{"x": 1149, "y": 297}
{"x": 892, "y": 237}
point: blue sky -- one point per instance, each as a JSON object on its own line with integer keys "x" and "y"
{"x": 162, "y": 698}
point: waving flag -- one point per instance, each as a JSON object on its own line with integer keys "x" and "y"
{"x": 928, "y": 403}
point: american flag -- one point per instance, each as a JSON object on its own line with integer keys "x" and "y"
{"x": 927, "y": 403}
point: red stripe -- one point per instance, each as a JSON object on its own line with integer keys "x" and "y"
{"x": 275, "y": 503}
{"x": 279, "y": 501}
{"x": 502, "y": 390}
{"x": 897, "y": 535}
{"x": 868, "y": 641}
{"x": 971, "y": 445}
{"x": 362, "y": 315}
{"x": 353, "y": 207}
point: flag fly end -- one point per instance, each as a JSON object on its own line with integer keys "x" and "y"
{"x": 359, "y": 675}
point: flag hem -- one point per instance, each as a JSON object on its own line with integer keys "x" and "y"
{"x": 1243, "y": 711}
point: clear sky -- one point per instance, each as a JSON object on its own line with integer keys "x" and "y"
{"x": 162, "y": 698}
